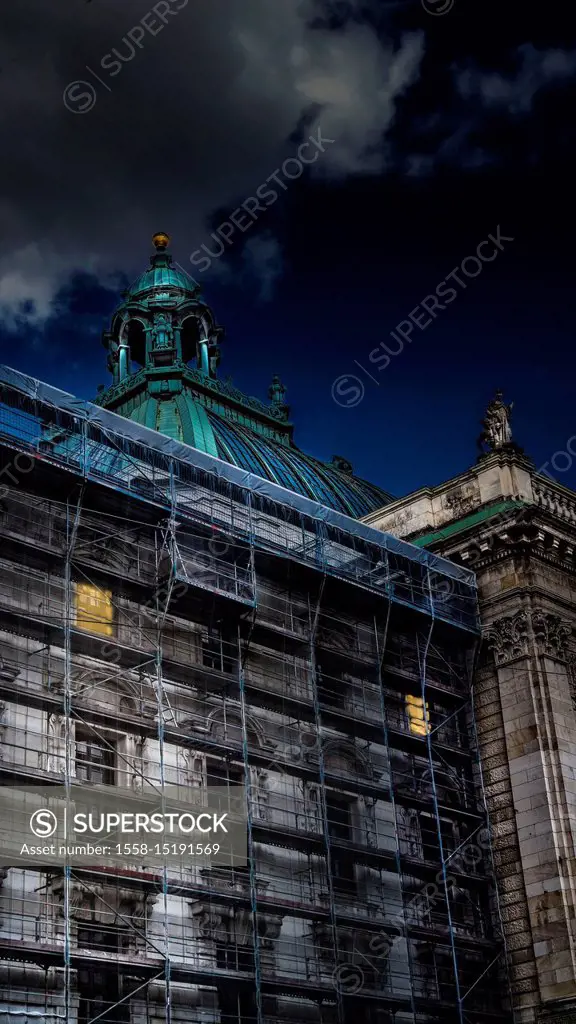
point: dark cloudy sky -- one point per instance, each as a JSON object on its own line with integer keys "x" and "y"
{"x": 449, "y": 119}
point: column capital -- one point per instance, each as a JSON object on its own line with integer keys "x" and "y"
{"x": 513, "y": 636}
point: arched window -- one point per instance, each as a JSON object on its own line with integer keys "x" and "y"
{"x": 343, "y": 759}
{"x": 226, "y": 726}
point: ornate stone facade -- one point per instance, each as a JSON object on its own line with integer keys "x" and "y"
{"x": 517, "y": 530}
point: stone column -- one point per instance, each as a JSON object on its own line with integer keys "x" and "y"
{"x": 505, "y": 847}
{"x": 531, "y": 653}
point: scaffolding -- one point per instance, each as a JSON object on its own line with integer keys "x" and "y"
{"x": 166, "y": 619}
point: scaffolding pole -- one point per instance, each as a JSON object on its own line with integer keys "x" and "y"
{"x": 380, "y": 652}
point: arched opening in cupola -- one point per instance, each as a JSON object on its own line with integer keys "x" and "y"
{"x": 135, "y": 336}
{"x": 192, "y": 331}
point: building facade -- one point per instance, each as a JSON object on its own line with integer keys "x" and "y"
{"x": 187, "y": 599}
{"x": 516, "y": 528}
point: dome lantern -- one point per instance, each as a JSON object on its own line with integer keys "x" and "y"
{"x": 164, "y": 351}
{"x": 162, "y": 322}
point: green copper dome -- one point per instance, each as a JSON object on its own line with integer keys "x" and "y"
{"x": 161, "y": 275}
{"x": 180, "y": 417}
{"x": 164, "y": 351}
{"x": 163, "y": 278}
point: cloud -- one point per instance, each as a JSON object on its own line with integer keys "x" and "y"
{"x": 462, "y": 135}
{"x": 186, "y": 120}
{"x": 262, "y": 258}
{"x": 258, "y": 263}
{"x": 515, "y": 93}
{"x": 30, "y": 279}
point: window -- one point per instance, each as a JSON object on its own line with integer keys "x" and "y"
{"x": 105, "y": 938}
{"x": 466, "y": 912}
{"x": 222, "y": 773}
{"x": 237, "y": 1006}
{"x": 100, "y": 994}
{"x": 433, "y": 968}
{"x": 230, "y": 957}
{"x": 418, "y": 715}
{"x": 338, "y": 815}
{"x": 332, "y": 691}
{"x": 94, "y": 611}
{"x": 343, "y": 877}
{"x": 429, "y": 826}
{"x": 95, "y": 760}
{"x": 227, "y": 776}
{"x": 215, "y": 653}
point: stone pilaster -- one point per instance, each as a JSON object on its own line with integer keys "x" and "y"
{"x": 490, "y": 722}
{"x": 532, "y": 679}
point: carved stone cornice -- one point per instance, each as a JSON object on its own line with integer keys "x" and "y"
{"x": 513, "y": 636}
{"x": 527, "y": 533}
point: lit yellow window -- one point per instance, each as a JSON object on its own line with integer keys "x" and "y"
{"x": 418, "y": 715}
{"x": 94, "y": 609}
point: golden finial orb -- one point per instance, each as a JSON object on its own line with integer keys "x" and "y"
{"x": 161, "y": 240}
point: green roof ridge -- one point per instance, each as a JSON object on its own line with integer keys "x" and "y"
{"x": 472, "y": 520}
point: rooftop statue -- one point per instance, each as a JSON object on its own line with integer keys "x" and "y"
{"x": 496, "y": 429}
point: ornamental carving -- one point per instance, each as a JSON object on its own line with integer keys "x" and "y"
{"x": 134, "y": 906}
{"x": 271, "y": 925}
{"x": 510, "y": 637}
{"x": 507, "y": 638}
{"x": 81, "y": 899}
{"x": 163, "y": 332}
{"x": 224, "y": 388}
{"x": 54, "y": 758}
{"x": 460, "y": 502}
{"x": 552, "y": 634}
{"x": 210, "y": 923}
{"x": 401, "y": 520}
